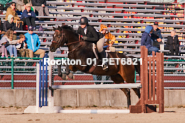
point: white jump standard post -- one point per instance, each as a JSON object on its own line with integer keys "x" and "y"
{"x": 56, "y": 109}
{"x": 50, "y": 108}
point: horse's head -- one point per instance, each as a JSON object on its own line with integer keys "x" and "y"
{"x": 64, "y": 34}
{"x": 58, "y": 39}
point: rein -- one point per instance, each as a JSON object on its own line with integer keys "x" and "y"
{"x": 75, "y": 43}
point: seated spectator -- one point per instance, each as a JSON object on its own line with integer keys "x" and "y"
{"x": 28, "y": 16}
{"x": 33, "y": 43}
{"x": 40, "y": 7}
{"x": 7, "y": 39}
{"x": 173, "y": 43}
{"x": 3, "y": 49}
{"x": 146, "y": 40}
{"x": 1, "y": 28}
{"x": 12, "y": 11}
{"x": 109, "y": 38}
{"x": 22, "y": 46}
{"x": 156, "y": 35}
{"x": 3, "y": 4}
{"x": 20, "y": 4}
{"x": 10, "y": 25}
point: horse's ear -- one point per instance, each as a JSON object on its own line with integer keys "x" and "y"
{"x": 59, "y": 28}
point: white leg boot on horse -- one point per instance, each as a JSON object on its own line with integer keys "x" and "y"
{"x": 62, "y": 75}
{"x": 69, "y": 73}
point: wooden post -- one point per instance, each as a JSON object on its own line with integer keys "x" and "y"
{"x": 161, "y": 83}
{"x": 148, "y": 83}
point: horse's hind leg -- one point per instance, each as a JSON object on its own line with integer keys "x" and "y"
{"x": 127, "y": 93}
{"x": 137, "y": 91}
{"x": 119, "y": 80}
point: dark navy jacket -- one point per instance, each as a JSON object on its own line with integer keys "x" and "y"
{"x": 146, "y": 37}
{"x": 26, "y": 14}
{"x": 156, "y": 34}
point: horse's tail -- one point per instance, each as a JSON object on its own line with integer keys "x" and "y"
{"x": 137, "y": 66}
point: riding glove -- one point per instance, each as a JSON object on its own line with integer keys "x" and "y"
{"x": 84, "y": 37}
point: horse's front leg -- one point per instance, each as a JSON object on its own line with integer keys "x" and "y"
{"x": 68, "y": 71}
{"x": 63, "y": 76}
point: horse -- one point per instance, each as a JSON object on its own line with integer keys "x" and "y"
{"x": 80, "y": 49}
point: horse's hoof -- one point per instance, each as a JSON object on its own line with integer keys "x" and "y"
{"x": 64, "y": 76}
{"x": 67, "y": 73}
{"x": 71, "y": 76}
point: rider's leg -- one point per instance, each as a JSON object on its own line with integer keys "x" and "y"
{"x": 100, "y": 44}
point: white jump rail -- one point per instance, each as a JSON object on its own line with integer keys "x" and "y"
{"x": 106, "y": 86}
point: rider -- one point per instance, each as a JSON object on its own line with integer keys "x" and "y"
{"x": 90, "y": 34}
{"x": 109, "y": 38}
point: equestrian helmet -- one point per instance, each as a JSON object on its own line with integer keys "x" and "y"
{"x": 83, "y": 20}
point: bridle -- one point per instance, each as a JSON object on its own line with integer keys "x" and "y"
{"x": 71, "y": 42}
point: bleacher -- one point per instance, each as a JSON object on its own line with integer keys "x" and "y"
{"x": 124, "y": 19}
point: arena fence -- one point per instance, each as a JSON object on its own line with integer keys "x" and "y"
{"x": 21, "y": 74}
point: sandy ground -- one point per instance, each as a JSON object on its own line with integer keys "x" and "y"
{"x": 16, "y": 115}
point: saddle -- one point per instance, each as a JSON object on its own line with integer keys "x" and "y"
{"x": 108, "y": 49}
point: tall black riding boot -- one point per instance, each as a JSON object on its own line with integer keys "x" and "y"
{"x": 104, "y": 65}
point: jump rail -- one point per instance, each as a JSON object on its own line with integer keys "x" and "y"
{"x": 152, "y": 90}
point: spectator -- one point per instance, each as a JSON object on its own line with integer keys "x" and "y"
{"x": 20, "y": 4}
{"x": 156, "y": 35}
{"x": 7, "y": 39}
{"x": 109, "y": 38}
{"x": 22, "y": 46}
{"x": 1, "y": 28}
{"x": 28, "y": 16}
{"x": 40, "y": 6}
{"x": 3, "y": 49}
{"x": 12, "y": 10}
{"x": 3, "y": 4}
{"x": 173, "y": 43}
{"x": 33, "y": 43}
{"x": 9, "y": 24}
{"x": 146, "y": 40}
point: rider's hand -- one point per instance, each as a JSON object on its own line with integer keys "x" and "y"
{"x": 43, "y": 5}
{"x": 84, "y": 37}
{"x": 110, "y": 45}
{"x": 159, "y": 39}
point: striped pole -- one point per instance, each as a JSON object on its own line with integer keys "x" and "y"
{"x": 46, "y": 88}
{"x": 40, "y": 83}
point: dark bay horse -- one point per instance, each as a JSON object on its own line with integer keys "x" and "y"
{"x": 80, "y": 49}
